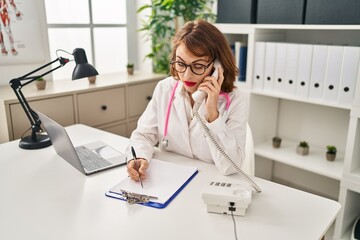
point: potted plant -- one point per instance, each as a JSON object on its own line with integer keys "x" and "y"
{"x": 331, "y": 152}
{"x": 276, "y": 142}
{"x": 130, "y": 68}
{"x": 40, "y": 83}
{"x": 92, "y": 79}
{"x": 303, "y": 148}
{"x": 164, "y": 20}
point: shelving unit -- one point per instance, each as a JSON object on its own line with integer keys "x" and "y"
{"x": 296, "y": 119}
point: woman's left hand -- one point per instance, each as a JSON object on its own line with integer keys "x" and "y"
{"x": 212, "y": 87}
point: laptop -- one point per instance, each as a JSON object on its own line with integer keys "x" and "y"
{"x": 89, "y": 158}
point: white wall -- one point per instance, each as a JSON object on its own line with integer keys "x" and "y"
{"x": 144, "y": 47}
{"x": 8, "y": 72}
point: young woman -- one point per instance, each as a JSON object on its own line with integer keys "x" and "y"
{"x": 169, "y": 119}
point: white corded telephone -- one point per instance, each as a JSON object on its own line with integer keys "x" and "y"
{"x": 224, "y": 197}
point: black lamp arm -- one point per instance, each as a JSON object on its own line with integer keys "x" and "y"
{"x": 16, "y": 84}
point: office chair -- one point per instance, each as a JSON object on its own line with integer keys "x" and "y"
{"x": 248, "y": 165}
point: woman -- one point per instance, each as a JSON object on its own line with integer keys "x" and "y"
{"x": 196, "y": 46}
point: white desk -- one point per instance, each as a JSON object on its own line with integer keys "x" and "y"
{"x": 43, "y": 197}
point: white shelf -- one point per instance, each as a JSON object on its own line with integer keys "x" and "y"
{"x": 355, "y": 112}
{"x": 314, "y": 162}
{"x": 294, "y": 98}
{"x": 352, "y": 181}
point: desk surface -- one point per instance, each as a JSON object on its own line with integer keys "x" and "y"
{"x": 43, "y": 197}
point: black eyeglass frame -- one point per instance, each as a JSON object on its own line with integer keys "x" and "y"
{"x": 190, "y": 65}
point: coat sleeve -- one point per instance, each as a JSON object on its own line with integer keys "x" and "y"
{"x": 229, "y": 131}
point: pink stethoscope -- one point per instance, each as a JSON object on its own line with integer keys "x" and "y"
{"x": 165, "y": 141}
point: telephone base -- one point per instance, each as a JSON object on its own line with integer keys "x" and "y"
{"x": 227, "y": 198}
{"x": 225, "y": 210}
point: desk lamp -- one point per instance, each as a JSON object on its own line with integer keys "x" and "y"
{"x": 38, "y": 139}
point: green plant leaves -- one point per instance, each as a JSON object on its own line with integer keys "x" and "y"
{"x": 162, "y": 22}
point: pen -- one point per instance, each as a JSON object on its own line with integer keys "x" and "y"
{"x": 134, "y": 155}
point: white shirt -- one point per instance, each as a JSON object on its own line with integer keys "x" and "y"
{"x": 185, "y": 135}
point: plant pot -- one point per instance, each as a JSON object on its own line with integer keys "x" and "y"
{"x": 330, "y": 156}
{"x": 302, "y": 150}
{"x": 276, "y": 142}
{"x": 130, "y": 71}
{"x": 92, "y": 79}
{"x": 40, "y": 84}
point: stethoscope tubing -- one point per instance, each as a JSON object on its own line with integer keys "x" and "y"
{"x": 168, "y": 109}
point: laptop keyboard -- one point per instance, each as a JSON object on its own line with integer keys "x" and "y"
{"x": 90, "y": 160}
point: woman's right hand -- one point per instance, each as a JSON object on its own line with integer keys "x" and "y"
{"x": 136, "y": 168}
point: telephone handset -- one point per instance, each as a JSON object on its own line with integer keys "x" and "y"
{"x": 199, "y": 95}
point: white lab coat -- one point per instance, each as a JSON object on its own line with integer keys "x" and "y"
{"x": 229, "y": 129}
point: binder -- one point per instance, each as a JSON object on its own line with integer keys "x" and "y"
{"x": 356, "y": 101}
{"x": 318, "y": 69}
{"x": 280, "y": 68}
{"x": 240, "y": 59}
{"x": 242, "y": 63}
{"x": 333, "y": 73}
{"x": 269, "y": 68}
{"x": 349, "y": 75}
{"x": 292, "y": 61}
{"x": 164, "y": 180}
{"x": 259, "y": 61}
{"x": 304, "y": 70}
{"x": 237, "y": 46}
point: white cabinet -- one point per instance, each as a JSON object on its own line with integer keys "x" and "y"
{"x": 114, "y": 103}
{"x": 54, "y": 107}
{"x": 300, "y": 116}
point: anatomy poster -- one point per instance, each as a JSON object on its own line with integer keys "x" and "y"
{"x": 21, "y": 36}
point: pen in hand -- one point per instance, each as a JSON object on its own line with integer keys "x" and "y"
{"x": 135, "y": 165}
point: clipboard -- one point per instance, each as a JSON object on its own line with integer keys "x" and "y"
{"x": 164, "y": 180}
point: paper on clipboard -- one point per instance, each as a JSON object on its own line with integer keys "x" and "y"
{"x": 164, "y": 180}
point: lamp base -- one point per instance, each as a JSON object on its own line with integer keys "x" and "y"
{"x": 42, "y": 141}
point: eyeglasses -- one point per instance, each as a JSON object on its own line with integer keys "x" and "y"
{"x": 196, "y": 68}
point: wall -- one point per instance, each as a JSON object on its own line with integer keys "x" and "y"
{"x": 8, "y": 72}
{"x": 144, "y": 47}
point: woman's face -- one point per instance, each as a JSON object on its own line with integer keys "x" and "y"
{"x": 199, "y": 64}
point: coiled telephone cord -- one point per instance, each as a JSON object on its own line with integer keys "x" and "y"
{"x": 208, "y": 133}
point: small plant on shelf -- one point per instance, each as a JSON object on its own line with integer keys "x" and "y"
{"x": 331, "y": 152}
{"x": 276, "y": 142}
{"x": 40, "y": 83}
{"x": 130, "y": 68}
{"x": 303, "y": 148}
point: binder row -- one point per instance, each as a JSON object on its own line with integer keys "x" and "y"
{"x": 316, "y": 72}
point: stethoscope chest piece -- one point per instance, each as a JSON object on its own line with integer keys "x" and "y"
{"x": 164, "y": 143}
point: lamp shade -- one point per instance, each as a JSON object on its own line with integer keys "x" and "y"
{"x": 83, "y": 68}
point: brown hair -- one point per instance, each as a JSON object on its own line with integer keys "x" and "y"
{"x": 202, "y": 38}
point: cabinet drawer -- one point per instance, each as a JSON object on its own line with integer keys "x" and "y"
{"x": 61, "y": 109}
{"x": 101, "y": 107}
{"x": 119, "y": 129}
{"x": 139, "y": 97}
